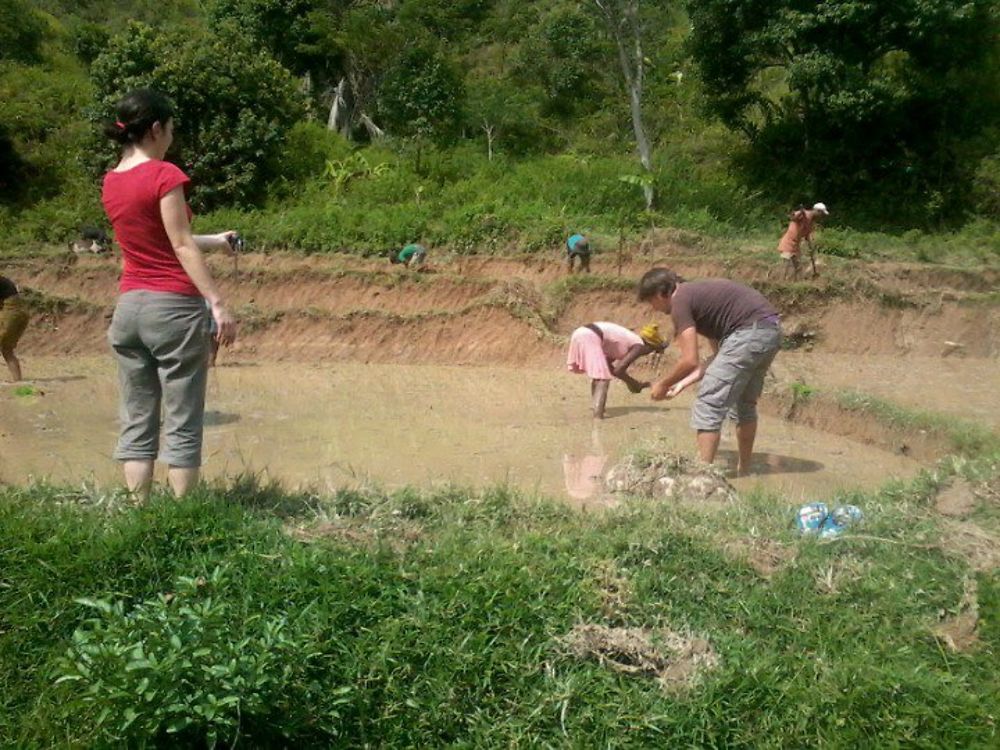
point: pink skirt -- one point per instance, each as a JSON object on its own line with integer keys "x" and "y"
{"x": 586, "y": 355}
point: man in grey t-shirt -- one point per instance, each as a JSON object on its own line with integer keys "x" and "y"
{"x": 745, "y": 332}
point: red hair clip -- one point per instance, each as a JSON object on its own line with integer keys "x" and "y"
{"x": 119, "y": 124}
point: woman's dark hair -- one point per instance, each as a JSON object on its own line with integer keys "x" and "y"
{"x": 136, "y": 112}
{"x": 657, "y": 281}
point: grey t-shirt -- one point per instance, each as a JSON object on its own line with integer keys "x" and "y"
{"x": 717, "y": 307}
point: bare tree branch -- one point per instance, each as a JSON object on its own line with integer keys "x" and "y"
{"x": 621, "y": 17}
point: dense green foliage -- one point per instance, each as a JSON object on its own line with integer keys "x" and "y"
{"x": 420, "y": 96}
{"x": 234, "y": 103}
{"x": 431, "y": 619}
{"x": 749, "y": 111}
{"x": 21, "y": 30}
{"x": 878, "y": 102}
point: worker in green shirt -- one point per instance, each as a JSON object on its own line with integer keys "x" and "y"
{"x": 413, "y": 256}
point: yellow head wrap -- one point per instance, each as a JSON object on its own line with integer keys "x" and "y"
{"x": 651, "y": 335}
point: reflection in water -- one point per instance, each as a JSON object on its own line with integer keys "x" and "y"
{"x": 584, "y": 473}
{"x": 303, "y": 426}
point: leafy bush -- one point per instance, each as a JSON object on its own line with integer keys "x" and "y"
{"x": 986, "y": 187}
{"x": 21, "y": 31}
{"x": 838, "y": 245}
{"x": 185, "y": 665}
{"x": 89, "y": 40}
{"x": 867, "y": 100}
{"x": 307, "y": 149}
{"x": 235, "y": 103}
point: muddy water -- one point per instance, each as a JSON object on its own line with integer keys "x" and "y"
{"x": 397, "y": 424}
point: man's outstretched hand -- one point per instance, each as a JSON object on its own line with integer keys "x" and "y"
{"x": 660, "y": 391}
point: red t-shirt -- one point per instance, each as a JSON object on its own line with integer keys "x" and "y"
{"x": 132, "y": 202}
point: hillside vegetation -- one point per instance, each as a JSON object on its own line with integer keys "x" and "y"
{"x": 486, "y": 125}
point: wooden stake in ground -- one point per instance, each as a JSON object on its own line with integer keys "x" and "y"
{"x": 236, "y": 244}
{"x": 621, "y": 247}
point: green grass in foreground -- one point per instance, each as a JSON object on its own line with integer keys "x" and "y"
{"x": 429, "y": 619}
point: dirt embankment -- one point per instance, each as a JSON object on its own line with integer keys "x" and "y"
{"x": 517, "y": 310}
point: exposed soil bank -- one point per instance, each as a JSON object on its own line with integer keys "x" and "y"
{"x": 511, "y": 310}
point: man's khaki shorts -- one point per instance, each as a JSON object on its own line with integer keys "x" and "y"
{"x": 735, "y": 379}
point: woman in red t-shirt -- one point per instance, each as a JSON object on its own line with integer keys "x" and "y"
{"x": 160, "y": 329}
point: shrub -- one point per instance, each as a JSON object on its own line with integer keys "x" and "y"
{"x": 185, "y": 665}
{"x": 21, "y": 31}
{"x": 234, "y": 104}
{"x": 986, "y": 187}
{"x": 307, "y": 149}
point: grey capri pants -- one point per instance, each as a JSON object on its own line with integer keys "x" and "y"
{"x": 735, "y": 379}
{"x": 161, "y": 344}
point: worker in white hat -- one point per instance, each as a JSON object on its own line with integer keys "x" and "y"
{"x": 800, "y": 227}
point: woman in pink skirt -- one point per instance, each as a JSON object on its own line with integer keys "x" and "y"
{"x": 605, "y": 350}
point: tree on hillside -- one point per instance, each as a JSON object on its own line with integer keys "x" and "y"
{"x": 367, "y": 43}
{"x": 501, "y": 110}
{"x": 421, "y": 98}
{"x": 853, "y": 97}
{"x": 624, "y": 24}
{"x": 444, "y": 19}
{"x": 12, "y": 168}
{"x": 562, "y": 55}
{"x": 282, "y": 26}
{"x": 235, "y": 103}
{"x": 21, "y": 32}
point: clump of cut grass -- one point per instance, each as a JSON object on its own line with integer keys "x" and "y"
{"x": 676, "y": 660}
{"x": 801, "y": 391}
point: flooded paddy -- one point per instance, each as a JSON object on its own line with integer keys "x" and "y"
{"x": 325, "y": 426}
{"x": 347, "y": 371}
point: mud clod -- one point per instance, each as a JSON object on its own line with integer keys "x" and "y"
{"x": 676, "y": 660}
{"x": 957, "y": 500}
{"x": 671, "y": 477}
{"x": 959, "y": 631}
{"x": 971, "y": 542}
{"x": 765, "y": 556}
